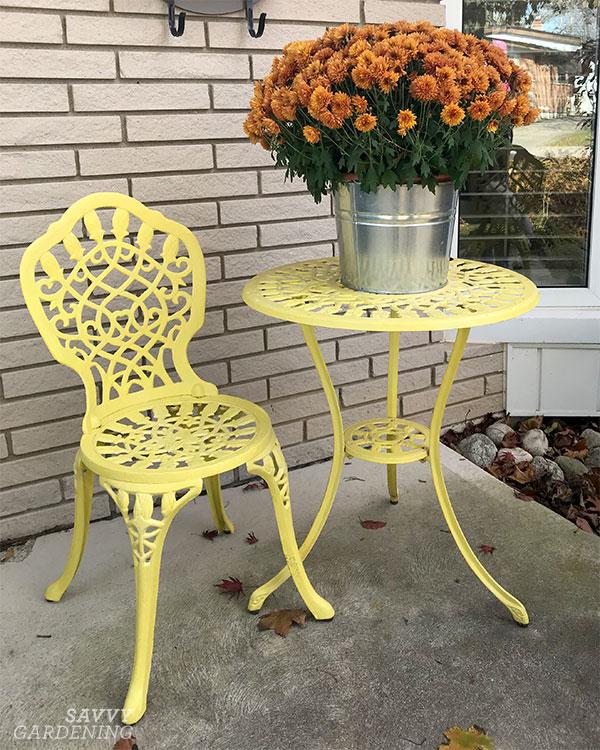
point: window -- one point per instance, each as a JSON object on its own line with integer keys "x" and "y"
{"x": 533, "y": 212}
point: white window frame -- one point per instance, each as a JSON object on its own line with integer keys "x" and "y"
{"x": 565, "y": 314}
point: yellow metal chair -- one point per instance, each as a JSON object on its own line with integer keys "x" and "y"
{"x": 120, "y": 310}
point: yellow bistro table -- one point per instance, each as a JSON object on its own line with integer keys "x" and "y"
{"x": 309, "y": 293}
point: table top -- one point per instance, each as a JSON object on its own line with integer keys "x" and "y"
{"x": 310, "y": 293}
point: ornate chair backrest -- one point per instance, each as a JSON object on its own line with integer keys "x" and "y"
{"x": 120, "y": 308}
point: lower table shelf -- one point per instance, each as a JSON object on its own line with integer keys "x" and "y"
{"x": 387, "y": 441}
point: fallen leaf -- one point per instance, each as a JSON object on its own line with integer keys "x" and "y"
{"x": 583, "y": 525}
{"x": 258, "y": 485}
{"x": 127, "y": 743}
{"x": 354, "y": 479}
{"x": 487, "y": 549}
{"x": 533, "y": 423}
{"x": 8, "y": 555}
{"x": 251, "y": 538}
{"x": 522, "y": 473}
{"x": 578, "y": 450}
{"x": 474, "y": 738}
{"x": 372, "y": 524}
{"x": 524, "y": 496}
{"x": 210, "y": 534}
{"x": 282, "y": 620}
{"x": 232, "y": 586}
{"x": 510, "y": 440}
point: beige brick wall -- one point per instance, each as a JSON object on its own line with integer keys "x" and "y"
{"x": 96, "y": 95}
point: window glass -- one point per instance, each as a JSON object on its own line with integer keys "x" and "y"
{"x": 532, "y": 212}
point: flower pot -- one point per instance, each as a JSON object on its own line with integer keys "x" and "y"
{"x": 395, "y": 241}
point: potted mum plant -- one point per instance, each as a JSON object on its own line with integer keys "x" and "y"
{"x": 391, "y": 119}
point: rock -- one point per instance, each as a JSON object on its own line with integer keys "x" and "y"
{"x": 592, "y": 438}
{"x": 571, "y": 467}
{"x": 543, "y": 466}
{"x": 535, "y": 442}
{"x": 478, "y": 448}
{"x": 592, "y": 460}
{"x": 497, "y": 431}
{"x": 518, "y": 454}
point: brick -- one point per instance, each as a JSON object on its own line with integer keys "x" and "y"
{"x": 190, "y": 186}
{"x": 321, "y": 426}
{"x": 124, "y": 97}
{"x": 15, "y": 413}
{"x": 325, "y": 10}
{"x": 265, "y": 209}
{"x": 275, "y": 363}
{"x": 224, "y": 293}
{"x": 191, "y": 215}
{"x": 245, "y": 317}
{"x": 307, "y": 453}
{"x": 291, "y": 335}
{"x": 223, "y": 239}
{"x": 213, "y": 324}
{"x": 48, "y": 195}
{"x": 33, "y": 97}
{"x": 16, "y": 323}
{"x": 3, "y": 447}
{"x": 46, "y": 519}
{"x": 31, "y": 381}
{"x": 470, "y": 368}
{"x": 23, "y": 352}
{"x": 214, "y": 373}
{"x": 147, "y": 32}
{"x": 374, "y": 343}
{"x": 465, "y": 390}
{"x": 213, "y": 268}
{"x": 232, "y": 95}
{"x": 19, "y": 229}
{"x": 60, "y": 4}
{"x": 241, "y": 155}
{"x": 144, "y": 159}
{"x": 234, "y": 34}
{"x": 34, "y": 131}
{"x": 273, "y": 181}
{"x": 180, "y": 64}
{"x": 360, "y": 393}
{"x": 261, "y": 66}
{"x": 255, "y": 391}
{"x": 184, "y": 127}
{"x": 56, "y": 63}
{"x": 296, "y": 407}
{"x": 476, "y": 350}
{"x": 248, "y": 264}
{"x": 40, "y": 28}
{"x": 39, "y": 466}
{"x": 290, "y": 433}
{"x": 29, "y": 496}
{"x": 226, "y": 346}
{"x": 494, "y": 383}
{"x": 459, "y": 413}
{"x": 47, "y": 436}
{"x": 18, "y": 165}
{"x": 411, "y": 358}
{"x": 294, "y": 232}
{"x": 384, "y": 11}
{"x": 308, "y": 380}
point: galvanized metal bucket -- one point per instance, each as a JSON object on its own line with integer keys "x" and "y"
{"x": 395, "y": 241}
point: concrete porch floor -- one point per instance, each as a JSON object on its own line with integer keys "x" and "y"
{"x": 417, "y": 644}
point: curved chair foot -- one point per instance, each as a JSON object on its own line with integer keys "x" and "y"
{"x": 273, "y": 470}
{"x": 220, "y": 517}
{"x": 84, "y": 486}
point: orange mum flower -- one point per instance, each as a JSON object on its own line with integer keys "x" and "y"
{"x": 363, "y": 77}
{"x": 497, "y": 97}
{"x": 341, "y": 106}
{"x": 492, "y": 126}
{"x": 283, "y": 103}
{"x": 424, "y": 88}
{"x": 521, "y": 106}
{"x": 448, "y": 93}
{"x": 365, "y": 122}
{"x": 311, "y": 134}
{"x": 360, "y": 104}
{"x": 479, "y": 81}
{"x": 532, "y": 115}
{"x": 479, "y": 109}
{"x": 406, "y": 121}
{"x": 452, "y": 115}
{"x": 271, "y": 126}
{"x": 320, "y": 99}
{"x": 445, "y": 73}
{"x": 507, "y": 107}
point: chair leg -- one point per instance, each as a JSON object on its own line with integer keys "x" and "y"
{"x": 220, "y": 517}
{"x": 273, "y": 470}
{"x": 84, "y": 485}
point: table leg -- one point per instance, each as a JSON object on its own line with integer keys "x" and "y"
{"x": 515, "y": 607}
{"x": 258, "y": 597}
{"x": 392, "y": 406}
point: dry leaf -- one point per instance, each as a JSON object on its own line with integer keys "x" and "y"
{"x": 525, "y": 496}
{"x": 210, "y": 534}
{"x": 486, "y": 548}
{"x": 282, "y": 620}
{"x": 522, "y": 473}
{"x": 372, "y": 524}
{"x": 258, "y": 485}
{"x": 583, "y": 525}
{"x": 251, "y": 538}
{"x": 127, "y": 743}
{"x": 578, "y": 450}
{"x": 533, "y": 423}
{"x": 510, "y": 440}
{"x": 8, "y": 555}
{"x": 474, "y": 738}
{"x": 231, "y": 585}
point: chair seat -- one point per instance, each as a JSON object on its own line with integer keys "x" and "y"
{"x": 177, "y": 440}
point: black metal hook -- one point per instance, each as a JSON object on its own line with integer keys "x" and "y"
{"x": 176, "y": 30}
{"x": 250, "y": 20}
